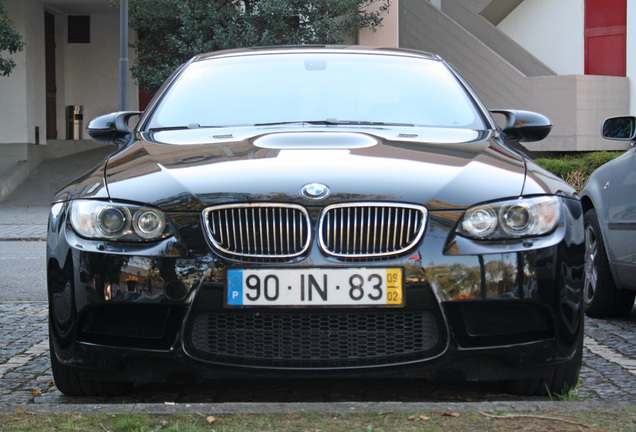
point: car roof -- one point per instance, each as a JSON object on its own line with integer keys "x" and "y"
{"x": 346, "y": 49}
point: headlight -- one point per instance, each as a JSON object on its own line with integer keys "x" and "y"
{"x": 523, "y": 217}
{"x": 480, "y": 222}
{"x": 113, "y": 221}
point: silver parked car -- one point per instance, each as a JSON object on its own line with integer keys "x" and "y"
{"x": 609, "y": 202}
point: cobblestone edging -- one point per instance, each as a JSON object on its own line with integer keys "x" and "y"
{"x": 608, "y": 373}
{"x": 23, "y": 223}
{"x": 24, "y": 352}
{"x": 609, "y": 359}
{"x": 610, "y": 355}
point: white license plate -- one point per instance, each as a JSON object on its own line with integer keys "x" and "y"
{"x": 315, "y": 287}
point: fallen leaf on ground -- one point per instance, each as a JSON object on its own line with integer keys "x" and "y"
{"x": 453, "y": 414}
{"x": 516, "y": 416}
{"x": 210, "y": 419}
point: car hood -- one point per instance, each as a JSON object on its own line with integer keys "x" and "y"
{"x": 441, "y": 168}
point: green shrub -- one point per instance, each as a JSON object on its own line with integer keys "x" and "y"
{"x": 576, "y": 168}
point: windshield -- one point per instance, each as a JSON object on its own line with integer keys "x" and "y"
{"x": 320, "y": 88}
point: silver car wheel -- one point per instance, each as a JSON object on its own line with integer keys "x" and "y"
{"x": 592, "y": 264}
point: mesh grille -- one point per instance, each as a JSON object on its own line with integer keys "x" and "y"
{"x": 259, "y": 230}
{"x": 371, "y": 229}
{"x": 314, "y": 340}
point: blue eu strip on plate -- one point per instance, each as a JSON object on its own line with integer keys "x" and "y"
{"x": 235, "y": 287}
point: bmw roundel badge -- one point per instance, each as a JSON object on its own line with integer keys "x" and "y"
{"x": 314, "y": 191}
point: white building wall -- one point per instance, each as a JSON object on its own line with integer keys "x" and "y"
{"x": 35, "y": 73}
{"x": 86, "y": 74}
{"x": 60, "y": 76}
{"x": 388, "y": 34}
{"x": 553, "y": 31}
{"x": 90, "y": 76}
{"x": 22, "y": 94}
{"x": 556, "y": 36}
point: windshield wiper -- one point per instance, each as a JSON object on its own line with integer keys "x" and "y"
{"x": 169, "y": 128}
{"x": 334, "y": 122}
{"x": 327, "y": 122}
{"x": 190, "y": 126}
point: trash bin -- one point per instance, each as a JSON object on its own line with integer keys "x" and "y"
{"x": 74, "y": 122}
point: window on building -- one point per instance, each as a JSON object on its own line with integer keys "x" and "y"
{"x": 79, "y": 29}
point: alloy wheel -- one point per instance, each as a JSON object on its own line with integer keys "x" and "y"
{"x": 592, "y": 264}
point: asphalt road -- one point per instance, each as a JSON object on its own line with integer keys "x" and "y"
{"x": 23, "y": 271}
{"x": 23, "y": 221}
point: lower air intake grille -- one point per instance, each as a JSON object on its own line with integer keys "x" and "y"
{"x": 313, "y": 340}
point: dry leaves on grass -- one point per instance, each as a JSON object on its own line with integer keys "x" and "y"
{"x": 517, "y": 416}
{"x": 418, "y": 418}
{"x": 208, "y": 418}
{"x": 23, "y": 411}
{"x": 425, "y": 418}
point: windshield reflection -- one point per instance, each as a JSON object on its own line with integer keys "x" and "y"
{"x": 329, "y": 87}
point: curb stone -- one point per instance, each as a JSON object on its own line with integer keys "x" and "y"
{"x": 327, "y": 408}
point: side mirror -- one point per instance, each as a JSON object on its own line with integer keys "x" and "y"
{"x": 111, "y": 128}
{"x": 524, "y": 126}
{"x": 619, "y": 128}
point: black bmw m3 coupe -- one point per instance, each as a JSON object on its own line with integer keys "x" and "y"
{"x": 315, "y": 212}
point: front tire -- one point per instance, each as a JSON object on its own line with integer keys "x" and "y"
{"x": 562, "y": 379}
{"x": 68, "y": 380}
{"x": 601, "y": 296}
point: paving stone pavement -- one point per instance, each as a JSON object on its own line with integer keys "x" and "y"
{"x": 608, "y": 374}
{"x": 24, "y": 213}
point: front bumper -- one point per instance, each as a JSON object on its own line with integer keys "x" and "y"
{"x": 471, "y": 311}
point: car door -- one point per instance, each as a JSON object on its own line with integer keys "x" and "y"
{"x": 622, "y": 218}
